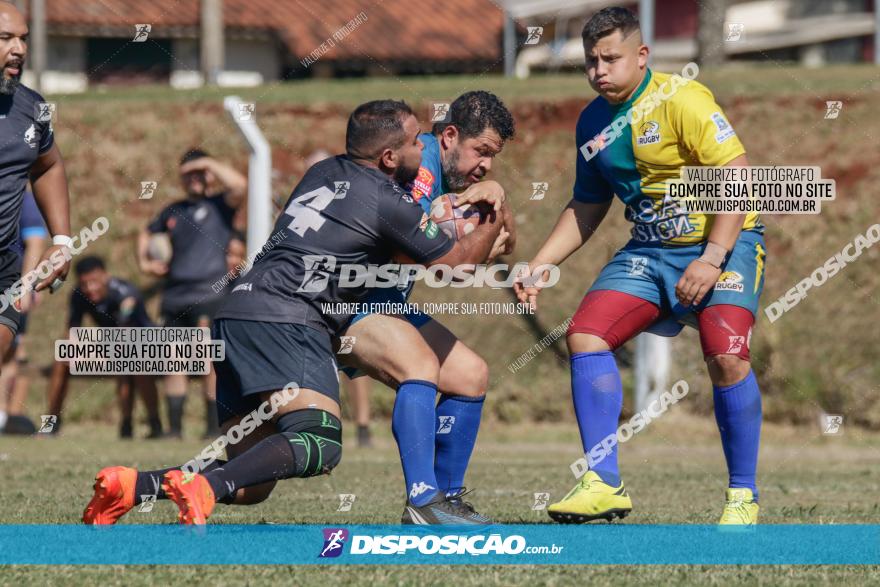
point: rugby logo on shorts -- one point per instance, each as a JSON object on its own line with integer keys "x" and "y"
{"x": 729, "y": 281}
{"x": 649, "y": 133}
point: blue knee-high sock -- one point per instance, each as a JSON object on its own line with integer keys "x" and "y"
{"x": 598, "y": 398}
{"x": 413, "y": 425}
{"x": 457, "y": 424}
{"x": 738, "y": 413}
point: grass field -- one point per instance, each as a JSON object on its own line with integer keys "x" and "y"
{"x": 674, "y": 471}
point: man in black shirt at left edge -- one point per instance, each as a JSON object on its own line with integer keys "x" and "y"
{"x": 110, "y": 302}
{"x": 27, "y": 151}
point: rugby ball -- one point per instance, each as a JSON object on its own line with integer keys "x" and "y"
{"x": 159, "y": 248}
{"x": 457, "y": 223}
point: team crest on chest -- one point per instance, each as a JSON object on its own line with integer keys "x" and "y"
{"x": 30, "y": 137}
{"x": 649, "y": 134}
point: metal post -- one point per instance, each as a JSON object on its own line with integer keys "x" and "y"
{"x": 646, "y": 20}
{"x": 39, "y": 42}
{"x": 212, "y": 40}
{"x": 652, "y": 363}
{"x": 509, "y": 45}
{"x": 259, "y": 207}
{"x": 876, "y": 32}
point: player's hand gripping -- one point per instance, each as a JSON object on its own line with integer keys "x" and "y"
{"x": 499, "y": 246}
{"x": 698, "y": 279}
{"x": 154, "y": 267}
{"x": 59, "y": 269}
{"x": 528, "y": 285}
{"x": 488, "y": 191}
{"x": 506, "y": 240}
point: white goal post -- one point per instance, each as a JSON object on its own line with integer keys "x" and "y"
{"x": 259, "y": 197}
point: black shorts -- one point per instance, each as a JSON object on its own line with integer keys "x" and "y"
{"x": 10, "y": 272}
{"x": 190, "y": 316}
{"x": 268, "y": 356}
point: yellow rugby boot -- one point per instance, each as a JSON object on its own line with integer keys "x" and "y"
{"x": 591, "y": 499}
{"x": 741, "y": 508}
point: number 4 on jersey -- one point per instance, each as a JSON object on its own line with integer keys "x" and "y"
{"x": 306, "y": 210}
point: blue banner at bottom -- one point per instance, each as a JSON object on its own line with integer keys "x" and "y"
{"x": 488, "y": 545}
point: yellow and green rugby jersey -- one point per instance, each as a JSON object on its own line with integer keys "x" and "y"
{"x": 673, "y": 122}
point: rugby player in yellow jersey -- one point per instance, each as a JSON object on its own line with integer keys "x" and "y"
{"x": 677, "y": 264}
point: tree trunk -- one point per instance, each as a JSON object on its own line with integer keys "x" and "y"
{"x": 711, "y": 32}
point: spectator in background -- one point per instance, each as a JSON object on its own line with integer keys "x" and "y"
{"x": 199, "y": 229}
{"x": 110, "y": 302}
{"x": 236, "y": 255}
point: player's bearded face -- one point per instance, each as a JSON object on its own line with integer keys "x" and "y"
{"x": 409, "y": 154}
{"x": 468, "y": 160}
{"x": 615, "y": 65}
{"x": 13, "y": 51}
{"x": 408, "y": 170}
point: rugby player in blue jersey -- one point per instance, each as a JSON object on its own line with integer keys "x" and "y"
{"x": 393, "y": 348}
{"x": 678, "y": 266}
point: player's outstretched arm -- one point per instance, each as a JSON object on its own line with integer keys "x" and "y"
{"x": 575, "y": 226}
{"x": 53, "y": 199}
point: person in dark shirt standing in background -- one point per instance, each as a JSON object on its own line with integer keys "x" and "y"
{"x": 199, "y": 228}
{"x": 109, "y": 302}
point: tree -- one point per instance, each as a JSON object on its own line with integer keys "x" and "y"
{"x": 711, "y": 32}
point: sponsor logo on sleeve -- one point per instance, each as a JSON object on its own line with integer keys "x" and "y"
{"x": 725, "y": 131}
{"x": 423, "y": 184}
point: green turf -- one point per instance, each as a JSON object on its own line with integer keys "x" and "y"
{"x": 674, "y": 471}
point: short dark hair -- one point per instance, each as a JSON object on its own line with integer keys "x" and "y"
{"x": 474, "y": 112}
{"x": 608, "y": 20}
{"x": 193, "y": 154}
{"x": 88, "y": 264}
{"x": 374, "y": 127}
